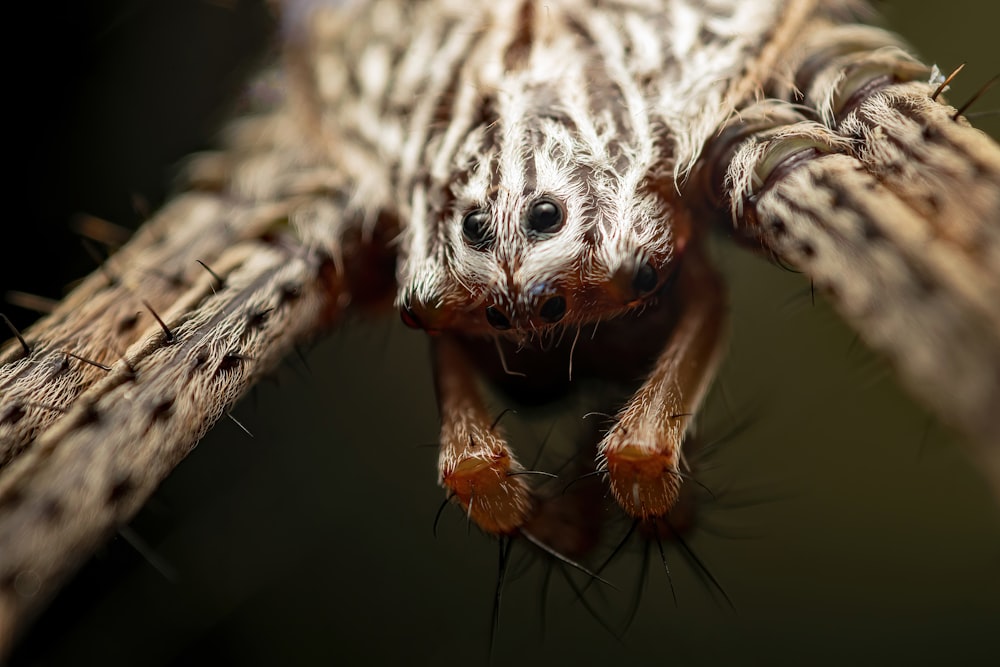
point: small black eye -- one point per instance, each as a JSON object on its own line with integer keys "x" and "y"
{"x": 545, "y": 217}
{"x": 497, "y": 319}
{"x": 475, "y": 228}
{"x": 553, "y": 309}
{"x": 645, "y": 279}
{"x": 409, "y": 318}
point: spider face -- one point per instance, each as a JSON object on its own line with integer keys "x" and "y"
{"x": 532, "y": 232}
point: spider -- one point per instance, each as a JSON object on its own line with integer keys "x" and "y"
{"x": 419, "y": 308}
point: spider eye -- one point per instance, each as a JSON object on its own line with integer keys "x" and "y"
{"x": 475, "y": 228}
{"x": 410, "y": 318}
{"x": 545, "y": 217}
{"x": 497, "y": 319}
{"x": 645, "y": 279}
{"x": 553, "y": 309}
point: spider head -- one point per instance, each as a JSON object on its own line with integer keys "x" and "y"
{"x": 537, "y": 229}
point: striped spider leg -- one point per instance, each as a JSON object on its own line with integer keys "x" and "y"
{"x": 855, "y": 172}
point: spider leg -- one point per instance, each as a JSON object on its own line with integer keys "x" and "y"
{"x": 114, "y": 387}
{"x": 860, "y": 83}
{"x": 891, "y": 205}
{"x": 642, "y": 451}
{"x": 475, "y": 465}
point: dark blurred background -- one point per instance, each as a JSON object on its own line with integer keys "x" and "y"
{"x": 847, "y": 526}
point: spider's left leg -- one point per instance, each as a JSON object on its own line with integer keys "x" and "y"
{"x": 642, "y": 452}
{"x": 475, "y": 465}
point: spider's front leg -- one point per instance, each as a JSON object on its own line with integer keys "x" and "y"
{"x": 113, "y": 388}
{"x": 642, "y": 453}
{"x": 890, "y": 202}
{"x": 475, "y": 465}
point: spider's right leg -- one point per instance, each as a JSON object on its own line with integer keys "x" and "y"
{"x": 475, "y": 464}
{"x": 642, "y": 453}
{"x": 890, "y": 202}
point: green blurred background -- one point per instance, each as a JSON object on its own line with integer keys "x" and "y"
{"x": 847, "y": 525}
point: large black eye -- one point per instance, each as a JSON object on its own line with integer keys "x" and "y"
{"x": 553, "y": 309}
{"x": 545, "y": 216}
{"x": 475, "y": 228}
{"x": 496, "y": 318}
{"x": 645, "y": 279}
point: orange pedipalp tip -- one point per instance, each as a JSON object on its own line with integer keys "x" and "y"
{"x": 645, "y": 483}
{"x": 499, "y": 503}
